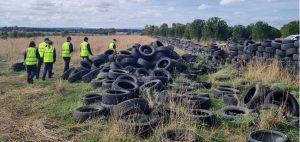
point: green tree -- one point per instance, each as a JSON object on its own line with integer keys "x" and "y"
{"x": 261, "y": 31}
{"x": 187, "y": 31}
{"x": 239, "y": 32}
{"x": 292, "y": 28}
{"x": 215, "y": 29}
{"x": 155, "y": 31}
{"x": 196, "y": 29}
{"x": 163, "y": 29}
{"x": 248, "y": 33}
{"x": 179, "y": 30}
{"x": 112, "y": 31}
{"x": 64, "y": 33}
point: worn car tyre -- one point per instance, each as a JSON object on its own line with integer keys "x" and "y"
{"x": 17, "y": 67}
{"x": 202, "y": 116}
{"x": 84, "y": 113}
{"x": 114, "y": 73}
{"x": 67, "y": 73}
{"x": 131, "y": 106}
{"x": 77, "y": 75}
{"x": 113, "y": 97}
{"x": 229, "y": 99}
{"x": 90, "y": 98}
{"x": 253, "y": 96}
{"x": 146, "y": 64}
{"x": 231, "y": 112}
{"x": 179, "y": 135}
{"x": 152, "y": 86}
{"x": 266, "y": 136}
{"x": 126, "y": 85}
{"x": 91, "y": 75}
{"x": 220, "y": 91}
{"x": 146, "y": 51}
{"x": 96, "y": 83}
{"x": 196, "y": 102}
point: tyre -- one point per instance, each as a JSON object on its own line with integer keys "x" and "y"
{"x": 17, "y": 67}
{"x": 231, "y": 112}
{"x": 90, "y": 76}
{"x": 141, "y": 72}
{"x": 163, "y": 79}
{"x": 287, "y": 46}
{"x": 276, "y": 44}
{"x": 113, "y": 97}
{"x": 161, "y": 73}
{"x": 295, "y": 57}
{"x": 146, "y": 64}
{"x": 266, "y": 135}
{"x": 193, "y": 94}
{"x": 84, "y": 113}
{"x": 136, "y": 105}
{"x": 220, "y": 91}
{"x": 109, "y": 52}
{"x": 261, "y": 48}
{"x": 196, "y": 102}
{"x": 103, "y": 74}
{"x": 135, "y": 53}
{"x": 114, "y": 73}
{"x": 132, "y": 87}
{"x": 100, "y": 59}
{"x": 165, "y": 63}
{"x": 126, "y": 61}
{"x": 202, "y": 116}
{"x": 296, "y": 44}
{"x": 229, "y": 99}
{"x": 291, "y": 51}
{"x": 128, "y": 77}
{"x": 90, "y": 98}
{"x": 179, "y": 135}
{"x": 139, "y": 124}
{"x": 152, "y": 86}
{"x": 253, "y": 96}
{"x": 146, "y": 51}
{"x": 96, "y": 84}
{"x": 67, "y": 73}
{"x": 202, "y": 84}
{"x": 86, "y": 63}
{"x": 266, "y": 43}
{"x": 77, "y": 75}
{"x": 180, "y": 87}
{"x": 157, "y": 43}
{"x": 107, "y": 84}
{"x": 115, "y": 65}
{"x": 285, "y": 100}
{"x": 280, "y": 53}
{"x": 269, "y": 49}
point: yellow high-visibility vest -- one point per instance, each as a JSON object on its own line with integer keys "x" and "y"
{"x": 41, "y": 48}
{"x": 31, "y": 58}
{"x": 48, "y": 54}
{"x": 111, "y": 45}
{"x": 83, "y": 49}
{"x": 66, "y": 49}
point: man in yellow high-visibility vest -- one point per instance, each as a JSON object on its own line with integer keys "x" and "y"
{"x": 49, "y": 59}
{"x": 41, "y": 48}
{"x": 113, "y": 44}
{"x": 67, "y": 49}
{"x": 85, "y": 49}
{"x": 31, "y": 58}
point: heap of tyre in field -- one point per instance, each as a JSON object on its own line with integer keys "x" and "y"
{"x": 286, "y": 52}
{"x": 139, "y": 93}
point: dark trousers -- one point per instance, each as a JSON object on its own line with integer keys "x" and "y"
{"x": 31, "y": 72}
{"x": 48, "y": 69}
{"x": 38, "y": 68}
{"x": 67, "y": 63}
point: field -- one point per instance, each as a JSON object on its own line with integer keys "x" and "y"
{"x": 43, "y": 111}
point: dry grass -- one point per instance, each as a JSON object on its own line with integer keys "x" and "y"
{"x": 12, "y": 49}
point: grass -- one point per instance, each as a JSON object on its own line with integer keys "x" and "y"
{"x": 43, "y": 111}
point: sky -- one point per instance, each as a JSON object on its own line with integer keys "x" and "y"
{"x": 138, "y": 13}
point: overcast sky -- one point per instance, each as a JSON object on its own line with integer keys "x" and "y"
{"x": 138, "y": 13}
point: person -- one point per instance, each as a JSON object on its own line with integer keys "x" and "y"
{"x": 112, "y": 45}
{"x": 85, "y": 49}
{"x": 31, "y": 58}
{"x": 49, "y": 59}
{"x": 67, "y": 49}
{"x": 41, "y": 48}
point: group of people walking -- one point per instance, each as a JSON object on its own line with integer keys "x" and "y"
{"x": 45, "y": 53}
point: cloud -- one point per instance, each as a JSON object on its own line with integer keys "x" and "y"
{"x": 265, "y": 18}
{"x": 203, "y": 6}
{"x": 237, "y": 13}
{"x": 229, "y": 2}
{"x": 171, "y": 8}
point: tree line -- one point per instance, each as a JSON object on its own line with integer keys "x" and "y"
{"x": 217, "y": 29}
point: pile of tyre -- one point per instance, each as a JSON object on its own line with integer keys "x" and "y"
{"x": 286, "y": 51}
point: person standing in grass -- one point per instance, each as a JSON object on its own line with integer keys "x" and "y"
{"x": 49, "y": 59}
{"x": 41, "y": 48}
{"x": 85, "y": 49}
{"x": 112, "y": 44}
{"x": 67, "y": 49}
{"x": 31, "y": 58}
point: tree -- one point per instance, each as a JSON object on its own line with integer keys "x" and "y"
{"x": 275, "y": 33}
{"x": 215, "y": 29}
{"x": 64, "y": 33}
{"x": 179, "y": 30}
{"x": 248, "y": 33}
{"x": 187, "y": 31}
{"x": 292, "y": 28}
{"x": 261, "y": 31}
{"x": 111, "y": 31}
{"x": 239, "y": 32}
{"x": 163, "y": 29}
{"x": 196, "y": 29}
{"x": 155, "y": 31}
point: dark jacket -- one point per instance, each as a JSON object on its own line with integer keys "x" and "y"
{"x": 36, "y": 53}
{"x": 71, "y": 47}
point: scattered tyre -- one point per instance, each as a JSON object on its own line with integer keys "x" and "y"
{"x": 91, "y": 75}
{"x": 84, "y": 113}
{"x": 126, "y": 85}
{"x": 231, "y": 112}
{"x": 253, "y": 96}
{"x": 196, "y": 102}
{"x": 152, "y": 86}
{"x": 90, "y": 98}
{"x": 179, "y": 135}
{"x": 202, "y": 116}
{"x": 67, "y": 73}
{"x": 229, "y": 99}
{"x": 136, "y": 105}
{"x": 17, "y": 67}
{"x": 266, "y": 136}
{"x": 113, "y": 97}
{"x": 77, "y": 74}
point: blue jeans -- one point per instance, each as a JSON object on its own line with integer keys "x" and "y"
{"x": 67, "y": 63}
